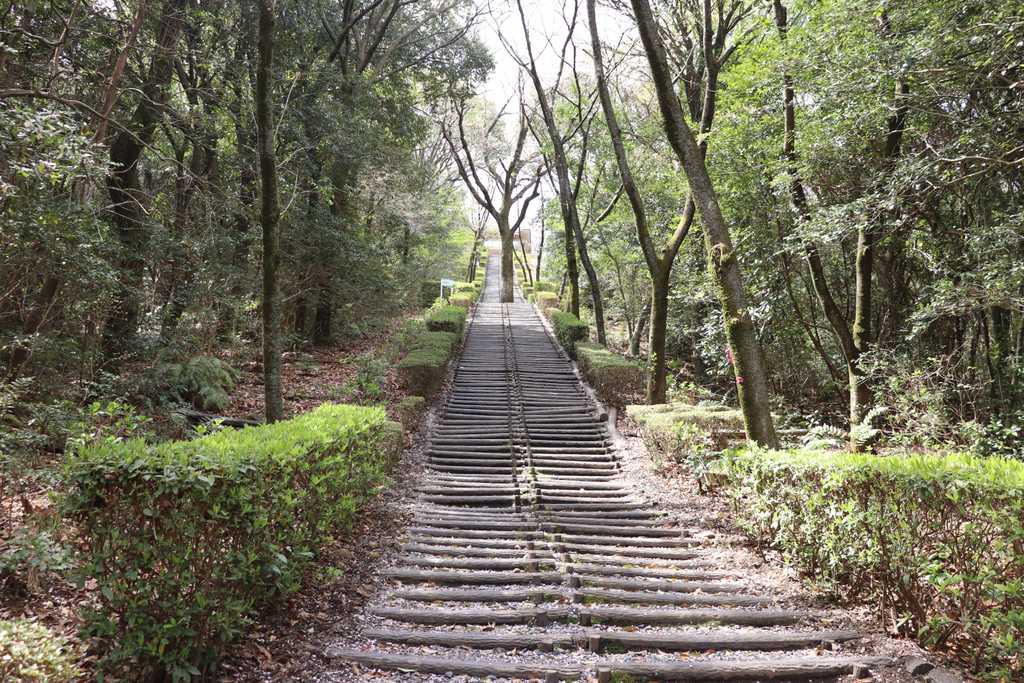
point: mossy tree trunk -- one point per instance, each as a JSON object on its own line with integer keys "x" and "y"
{"x": 744, "y": 348}
{"x": 854, "y": 339}
{"x": 659, "y": 265}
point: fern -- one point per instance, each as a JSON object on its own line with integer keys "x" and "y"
{"x": 824, "y": 437}
{"x": 864, "y": 433}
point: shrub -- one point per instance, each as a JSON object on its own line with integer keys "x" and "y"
{"x": 616, "y": 379}
{"x": 204, "y": 382}
{"x": 467, "y": 288}
{"x": 31, "y": 652}
{"x": 409, "y": 410}
{"x": 936, "y": 540}
{"x": 367, "y": 384}
{"x": 464, "y": 301}
{"x": 185, "y": 538}
{"x": 691, "y": 434}
{"x": 446, "y": 319}
{"x": 544, "y": 299}
{"x": 545, "y": 286}
{"x": 423, "y": 369}
{"x": 429, "y": 292}
{"x": 569, "y": 330}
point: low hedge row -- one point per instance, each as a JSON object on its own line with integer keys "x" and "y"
{"x": 673, "y": 429}
{"x": 184, "y": 539}
{"x": 429, "y": 292}
{"x": 442, "y": 318}
{"x": 694, "y": 435}
{"x": 568, "y": 330}
{"x": 423, "y": 369}
{"x": 616, "y": 379}
{"x": 544, "y": 299}
{"x": 938, "y": 541}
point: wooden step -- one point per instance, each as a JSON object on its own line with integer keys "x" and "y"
{"x": 448, "y": 666}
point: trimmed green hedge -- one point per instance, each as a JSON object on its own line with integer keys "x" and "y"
{"x": 937, "y": 541}
{"x": 676, "y": 429}
{"x": 429, "y": 292}
{"x": 30, "y": 652}
{"x": 464, "y": 301}
{"x": 409, "y": 410}
{"x": 423, "y": 369}
{"x": 569, "y": 330}
{"x": 545, "y": 286}
{"x": 184, "y": 539}
{"x": 446, "y": 319}
{"x": 544, "y": 299}
{"x": 694, "y": 435}
{"x": 616, "y": 379}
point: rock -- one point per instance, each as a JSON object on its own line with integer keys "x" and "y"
{"x": 917, "y": 666}
{"x": 861, "y": 673}
{"x": 940, "y": 675}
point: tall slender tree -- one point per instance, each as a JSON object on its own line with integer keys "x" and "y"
{"x": 497, "y": 185}
{"x": 124, "y": 185}
{"x": 270, "y": 213}
{"x": 568, "y": 191}
{"x": 744, "y": 347}
{"x": 854, "y": 338}
{"x": 659, "y": 262}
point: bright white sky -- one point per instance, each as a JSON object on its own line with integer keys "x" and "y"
{"x": 548, "y": 31}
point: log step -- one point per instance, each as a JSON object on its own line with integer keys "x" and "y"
{"x": 544, "y": 671}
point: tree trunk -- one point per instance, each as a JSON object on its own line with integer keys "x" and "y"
{"x": 638, "y": 331}
{"x": 540, "y": 245}
{"x": 269, "y": 215}
{"x": 473, "y": 255}
{"x": 527, "y": 275}
{"x": 744, "y": 348}
{"x": 124, "y": 187}
{"x": 595, "y": 284}
{"x": 656, "y": 378}
{"x": 507, "y": 274}
{"x": 323, "y": 320}
{"x": 572, "y": 272}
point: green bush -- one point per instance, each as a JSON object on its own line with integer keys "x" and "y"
{"x": 423, "y": 369}
{"x": 467, "y": 288}
{"x": 429, "y": 292}
{"x": 569, "y": 330}
{"x": 616, "y": 379}
{"x": 464, "y": 301}
{"x": 366, "y": 386}
{"x": 204, "y": 382}
{"x": 184, "y": 539}
{"x": 694, "y": 435}
{"x": 30, "y": 652}
{"x": 545, "y": 286}
{"x": 936, "y": 540}
{"x": 409, "y": 410}
{"x": 544, "y": 299}
{"x": 446, "y": 319}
